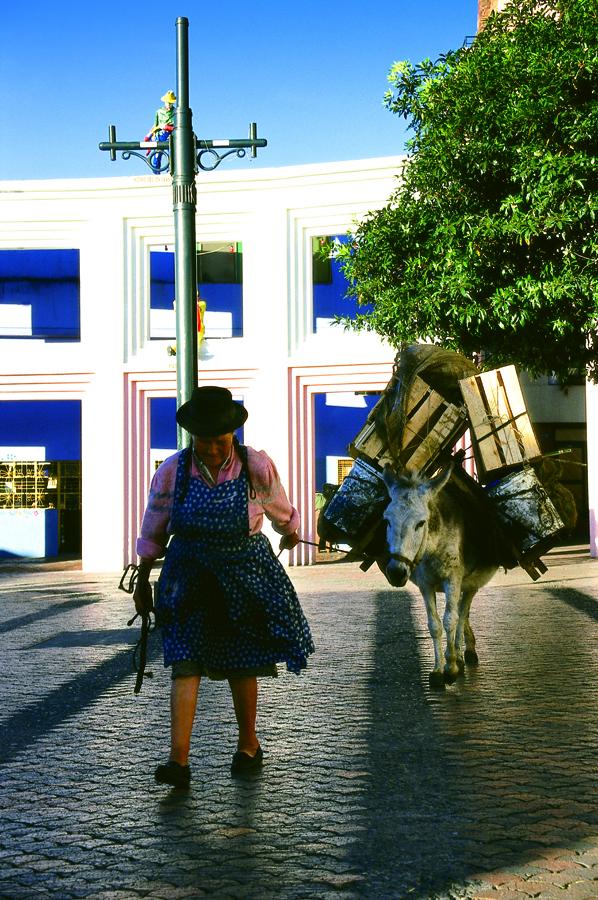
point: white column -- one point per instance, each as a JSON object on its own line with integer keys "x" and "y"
{"x": 265, "y": 327}
{"x": 102, "y": 439}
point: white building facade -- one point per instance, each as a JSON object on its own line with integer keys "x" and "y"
{"x": 116, "y": 366}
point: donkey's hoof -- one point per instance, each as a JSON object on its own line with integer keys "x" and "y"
{"x": 461, "y": 665}
{"x": 436, "y": 680}
{"x": 450, "y": 677}
{"x": 471, "y": 658}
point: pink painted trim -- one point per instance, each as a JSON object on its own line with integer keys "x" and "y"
{"x": 304, "y": 382}
{"x": 140, "y": 388}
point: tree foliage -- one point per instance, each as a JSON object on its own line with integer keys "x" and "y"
{"x": 489, "y": 242}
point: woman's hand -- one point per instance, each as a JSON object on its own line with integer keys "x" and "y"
{"x": 143, "y": 597}
{"x": 288, "y": 541}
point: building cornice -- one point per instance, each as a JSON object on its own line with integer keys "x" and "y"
{"x": 267, "y": 178}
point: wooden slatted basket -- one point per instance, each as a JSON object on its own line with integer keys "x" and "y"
{"x": 432, "y": 426}
{"x": 501, "y": 432}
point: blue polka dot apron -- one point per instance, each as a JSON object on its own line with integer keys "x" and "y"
{"x": 223, "y": 599}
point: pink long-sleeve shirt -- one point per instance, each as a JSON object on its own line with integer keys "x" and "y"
{"x": 270, "y": 500}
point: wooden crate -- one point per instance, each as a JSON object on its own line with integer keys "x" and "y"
{"x": 501, "y": 431}
{"x": 367, "y": 444}
{"x": 432, "y": 426}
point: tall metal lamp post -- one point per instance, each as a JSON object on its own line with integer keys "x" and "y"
{"x": 183, "y": 156}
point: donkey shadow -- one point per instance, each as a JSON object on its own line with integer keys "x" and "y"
{"x": 488, "y": 775}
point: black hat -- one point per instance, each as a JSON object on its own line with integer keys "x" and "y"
{"x": 211, "y": 411}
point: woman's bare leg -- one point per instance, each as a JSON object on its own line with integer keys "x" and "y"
{"x": 244, "y": 691}
{"x": 183, "y": 702}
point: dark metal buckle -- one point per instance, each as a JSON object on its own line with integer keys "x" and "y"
{"x": 131, "y": 573}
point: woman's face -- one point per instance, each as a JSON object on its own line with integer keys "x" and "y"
{"x": 213, "y": 451}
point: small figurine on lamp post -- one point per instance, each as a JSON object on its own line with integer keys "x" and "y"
{"x": 162, "y": 128}
{"x": 182, "y": 153}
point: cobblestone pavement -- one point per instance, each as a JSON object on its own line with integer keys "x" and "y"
{"x": 373, "y": 786}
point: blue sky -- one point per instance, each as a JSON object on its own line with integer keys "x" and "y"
{"x": 312, "y": 75}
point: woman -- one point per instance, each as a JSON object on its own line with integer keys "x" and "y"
{"x": 226, "y": 608}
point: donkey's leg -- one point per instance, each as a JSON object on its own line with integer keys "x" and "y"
{"x": 470, "y": 655}
{"x": 452, "y": 592}
{"x": 435, "y": 628}
{"x": 464, "y": 636}
{"x": 459, "y": 641}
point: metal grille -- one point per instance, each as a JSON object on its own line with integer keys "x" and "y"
{"x": 344, "y": 466}
{"x": 40, "y": 485}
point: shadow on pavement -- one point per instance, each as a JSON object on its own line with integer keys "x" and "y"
{"x": 488, "y": 774}
{"x": 578, "y": 600}
{"x": 54, "y": 610}
{"x": 22, "y": 729}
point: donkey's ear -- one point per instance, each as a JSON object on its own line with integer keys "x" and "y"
{"x": 438, "y": 482}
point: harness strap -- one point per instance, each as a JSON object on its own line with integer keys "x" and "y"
{"x": 400, "y": 558}
{"x": 242, "y": 451}
{"x": 411, "y": 562}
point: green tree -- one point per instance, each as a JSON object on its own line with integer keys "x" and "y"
{"x": 489, "y": 242}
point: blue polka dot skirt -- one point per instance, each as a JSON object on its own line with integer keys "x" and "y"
{"x": 223, "y": 599}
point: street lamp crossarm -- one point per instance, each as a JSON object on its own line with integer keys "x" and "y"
{"x": 128, "y": 146}
{"x": 206, "y": 146}
{"x": 203, "y": 144}
{"x": 210, "y": 153}
{"x": 132, "y": 148}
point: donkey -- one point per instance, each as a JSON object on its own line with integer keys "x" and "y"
{"x": 434, "y": 540}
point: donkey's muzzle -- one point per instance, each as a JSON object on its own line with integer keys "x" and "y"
{"x": 398, "y": 571}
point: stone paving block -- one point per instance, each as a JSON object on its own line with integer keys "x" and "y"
{"x": 489, "y": 894}
{"x": 580, "y": 890}
{"x": 369, "y": 775}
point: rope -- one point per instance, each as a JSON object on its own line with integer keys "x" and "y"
{"x": 334, "y": 547}
{"x": 127, "y": 584}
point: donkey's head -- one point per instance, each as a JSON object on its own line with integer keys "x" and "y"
{"x": 407, "y": 517}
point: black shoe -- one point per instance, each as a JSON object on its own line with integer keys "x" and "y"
{"x": 174, "y": 774}
{"x": 244, "y": 764}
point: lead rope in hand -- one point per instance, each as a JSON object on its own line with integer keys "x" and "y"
{"x": 147, "y": 626}
{"x": 333, "y": 547}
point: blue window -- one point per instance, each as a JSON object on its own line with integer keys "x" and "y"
{"x": 330, "y": 285}
{"x": 40, "y": 294}
{"x": 219, "y": 285}
{"x": 40, "y": 477}
{"x": 338, "y": 418}
{"x": 163, "y": 423}
{"x": 54, "y": 425}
